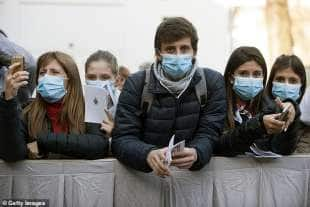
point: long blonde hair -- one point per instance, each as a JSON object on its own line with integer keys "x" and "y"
{"x": 72, "y": 114}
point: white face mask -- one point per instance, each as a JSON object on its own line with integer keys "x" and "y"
{"x": 99, "y": 83}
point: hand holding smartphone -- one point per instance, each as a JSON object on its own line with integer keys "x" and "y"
{"x": 284, "y": 114}
{"x": 15, "y": 81}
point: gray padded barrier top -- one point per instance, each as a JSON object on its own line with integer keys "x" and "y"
{"x": 241, "y": 181}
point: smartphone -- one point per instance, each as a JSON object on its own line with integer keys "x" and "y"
{"x": 284, "y": 114}
{"x": 18, "y": 59}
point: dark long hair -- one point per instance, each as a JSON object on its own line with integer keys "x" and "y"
{"x": 238, "y": 57}
{"x": 284, "y": 62}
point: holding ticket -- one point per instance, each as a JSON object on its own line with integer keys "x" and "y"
{"x": 178, "y": 147}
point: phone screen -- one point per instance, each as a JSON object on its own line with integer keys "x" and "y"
{"x": 283, "y": 115}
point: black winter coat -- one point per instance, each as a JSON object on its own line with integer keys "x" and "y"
{"x": 238, "y": 140}
{"x": 136, "y": 132}
{"x": 14, "y": 137}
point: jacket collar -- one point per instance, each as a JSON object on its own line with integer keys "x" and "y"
{"x": 156, "y": 88}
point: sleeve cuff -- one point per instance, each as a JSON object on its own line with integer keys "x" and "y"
{"x": 8, "y": 108}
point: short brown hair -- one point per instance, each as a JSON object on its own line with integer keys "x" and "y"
{"x": 123, "y": 71}
{"x": 173, "y": 29}
{"x": 105, "y": 56}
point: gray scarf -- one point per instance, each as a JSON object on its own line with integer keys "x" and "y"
{"x": 178, "y": 87}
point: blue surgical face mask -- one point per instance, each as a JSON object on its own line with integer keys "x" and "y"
{"x": 51, "y": 88}
{"x": 247, "y": 88}
{"x": 286, "y": 90}
{"x": 99, "y": 83}
{"x": 176, "y": 66}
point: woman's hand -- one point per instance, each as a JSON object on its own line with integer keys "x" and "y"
{"x": 272, "y": 125}
{"x": 13, "y": 81}
{"x": 33, "y": 150}
{"x": 108, "y": 125}
{"x": 291, "y": 112}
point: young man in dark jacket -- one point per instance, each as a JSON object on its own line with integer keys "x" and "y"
{"x": 143, "y": 128}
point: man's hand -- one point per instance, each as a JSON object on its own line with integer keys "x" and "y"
{"x": 155, "y": 159}
{"x": 184, "y": 159}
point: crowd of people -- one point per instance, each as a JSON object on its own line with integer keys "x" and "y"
{"x": 172, "y": 97}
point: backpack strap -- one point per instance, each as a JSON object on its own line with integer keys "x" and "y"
{"x": 201, "y": 89}
{"x": 147, "y": 97}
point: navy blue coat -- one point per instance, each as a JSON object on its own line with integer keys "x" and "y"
{"x": 137, "y": 132}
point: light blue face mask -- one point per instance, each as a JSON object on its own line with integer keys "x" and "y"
{"x": 176, "y": 66}
{"x": 51, "y": 88}
{"x": 99, "y": 83}
{"x": 286, "y": 90}
{"x": 247, "y": 88}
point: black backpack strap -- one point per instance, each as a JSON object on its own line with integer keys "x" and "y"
{"x": 147, "y": 97}
{"x": 201, "y": 88}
